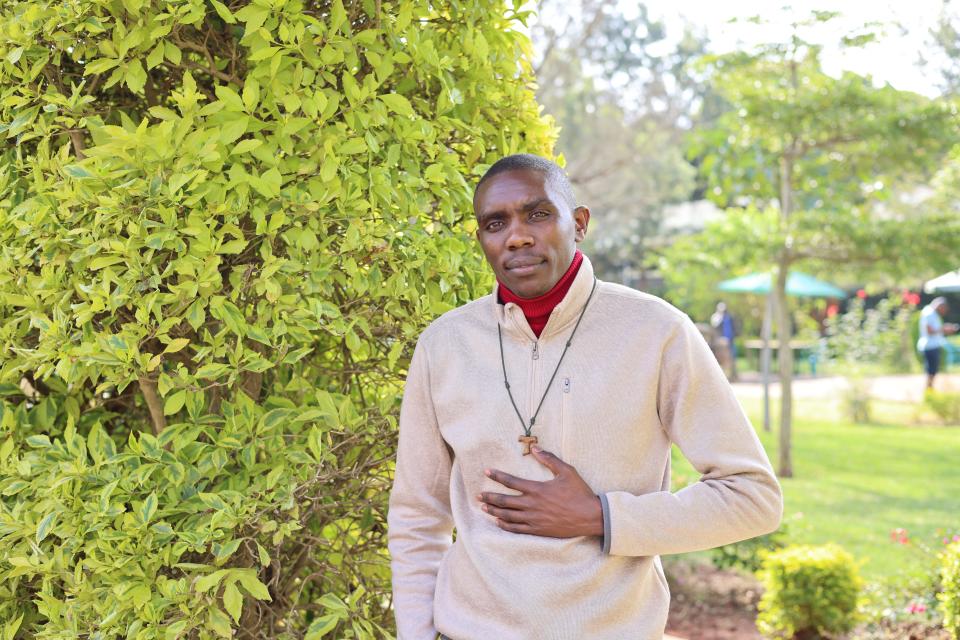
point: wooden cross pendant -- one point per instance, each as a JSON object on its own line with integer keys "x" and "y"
{"x": 527, "y": 441}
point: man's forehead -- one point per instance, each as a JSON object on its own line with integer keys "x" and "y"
{"x": 513, "y": 188}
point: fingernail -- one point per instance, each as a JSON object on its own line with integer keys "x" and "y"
{"x": 536, "y": 448}
{"x": 486, "y": 472}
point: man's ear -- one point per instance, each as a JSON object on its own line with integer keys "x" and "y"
{"x": 581, "y": 218}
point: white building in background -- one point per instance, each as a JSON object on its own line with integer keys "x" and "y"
{"x": 688, "y": 217}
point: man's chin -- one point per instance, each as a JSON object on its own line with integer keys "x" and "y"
{"x": 527, "y": 289}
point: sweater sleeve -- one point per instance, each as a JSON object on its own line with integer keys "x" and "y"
{"x": 419, "y": 520}
{"x": 737, "y": 496}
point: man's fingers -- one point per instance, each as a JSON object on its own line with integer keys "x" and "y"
{"x": 507, "y": 515}
{"x": 503, "y": 501}
{"x": 550, "y": 461}
{"x": 512, "y": 482}
{"x": 515, "y": 527}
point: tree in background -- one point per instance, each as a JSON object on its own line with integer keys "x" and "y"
{"x": 222, "y": 225}
{"x": 811, "y": 155}
{"x": 622, "y": 95}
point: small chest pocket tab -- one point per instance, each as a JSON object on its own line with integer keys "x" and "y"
{"x": 566, "y": 385}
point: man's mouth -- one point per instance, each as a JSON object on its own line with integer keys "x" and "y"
{"x": 524, "y": 266}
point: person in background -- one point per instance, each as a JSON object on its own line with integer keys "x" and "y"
{"x": 722, "y": 321}
{"x": 932, "y": 335}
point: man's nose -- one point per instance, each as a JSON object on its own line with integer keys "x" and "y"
{"x": 519, "y": 236}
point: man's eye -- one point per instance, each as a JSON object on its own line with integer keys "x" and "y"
{"x": 540, "y": 214}
{"x": 495, "y": 225}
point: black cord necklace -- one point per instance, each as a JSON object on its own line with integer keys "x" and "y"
{"x": 527, "y": 439}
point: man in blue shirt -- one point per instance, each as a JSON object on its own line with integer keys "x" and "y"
{"x": 932, "y": 335}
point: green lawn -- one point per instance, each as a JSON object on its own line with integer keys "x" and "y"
{"x": 853, "y": 484}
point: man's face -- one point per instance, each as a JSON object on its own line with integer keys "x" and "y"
{"x": 526, "y": 230}
{"x": 943, "y": 308}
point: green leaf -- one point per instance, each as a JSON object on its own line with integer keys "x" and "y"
{"x": 104, "y": 261}
{"x": 177, "y": 345}
{"x": 14, "y": 55}
{"x": 246, "y": 145}
{"x": 174, "y": 402}
{"x": 39, "y": 441}
{"x": 223, "y": 551}
{"x": 229, "y": 97}
{"x": 233, "y": 601}
{"x": 155, "y": 57}
{"x": 174, "y": 631}
{"x": 43, "y": 529}
{"x": 434, "y": 173}
{"x": 135, "y": 76}
{"x": 76, "y": 171}
{"x": 219, "y": 622}
{"x": 148, "y": 509}
{"x": 209, "y": 581}
{"x": 251, "y": 94}
{"x": 338, "y": 15}
{"x": 321, "y": 627}
{"x": 100, "y": 65}
{"x": 223, "y": 12}
{"x": 253, "y": 15}
{"x": 398, "y": 104}
{"x": 252, "y": 585}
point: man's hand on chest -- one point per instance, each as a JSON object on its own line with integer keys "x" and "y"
{"x": 564, "y": 507}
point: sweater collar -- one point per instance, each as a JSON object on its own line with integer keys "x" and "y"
{"x": 511, "y": 318}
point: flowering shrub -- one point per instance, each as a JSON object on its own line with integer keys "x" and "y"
{"x": 949, "y": 597}
{"x": 809, "y": 592}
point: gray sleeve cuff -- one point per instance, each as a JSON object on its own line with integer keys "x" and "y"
{"x": 606, "y": 522}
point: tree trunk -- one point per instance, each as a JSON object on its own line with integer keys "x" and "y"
{"x": 785, "y": 357}
{"x": 148, "y": 386}
{"x": 785, "y": 354}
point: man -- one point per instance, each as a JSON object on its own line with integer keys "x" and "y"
{"x": 722, "y": 322}
{"x": 538, "y": 420}
{"x": 932, "y": 332}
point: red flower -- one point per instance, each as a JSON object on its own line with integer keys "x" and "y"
{"x": 861, "y": 294}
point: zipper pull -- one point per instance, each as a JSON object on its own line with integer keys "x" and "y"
{"x": 536, "y": 351}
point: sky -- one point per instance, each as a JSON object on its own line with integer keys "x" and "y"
{"x": 892, "y": 60}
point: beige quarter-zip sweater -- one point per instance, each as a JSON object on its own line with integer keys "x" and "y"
{"x": 637, "y": 377}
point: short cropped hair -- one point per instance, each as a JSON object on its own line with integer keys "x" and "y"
{"x": 553, "y": 174}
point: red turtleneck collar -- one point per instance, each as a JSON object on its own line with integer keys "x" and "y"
{"x": 537, "y": 310}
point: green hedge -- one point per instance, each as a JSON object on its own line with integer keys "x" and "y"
{"x": 222, "y": 226}
{"x": 809, "y": 592}
{"x": 950, "y": 595}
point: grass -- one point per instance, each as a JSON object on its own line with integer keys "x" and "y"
{"x": 853, "y": 484}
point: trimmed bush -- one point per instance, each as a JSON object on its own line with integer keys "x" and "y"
{"x": 946, "y": 404}
{"x": 809, "y": 592}
{"x": 748, "y": 554}
{"x": 222, "y": 225}
{"x": 949, "y": 597}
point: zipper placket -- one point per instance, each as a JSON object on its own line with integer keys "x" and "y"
{"x": 532, "y": 394}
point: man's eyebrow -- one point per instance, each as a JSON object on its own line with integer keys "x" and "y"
{"x": 533, "y": 204}
{"x": 526, "y": 206}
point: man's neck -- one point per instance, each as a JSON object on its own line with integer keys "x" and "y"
{"x": 537, "y": 310}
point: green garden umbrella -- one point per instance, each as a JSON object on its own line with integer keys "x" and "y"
{"x": 798, "y": 284}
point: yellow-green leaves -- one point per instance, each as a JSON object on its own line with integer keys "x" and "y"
{"x": 135, "y": 76}
{"x": 398, "y": 104}
{"x": 216, "y": 250}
